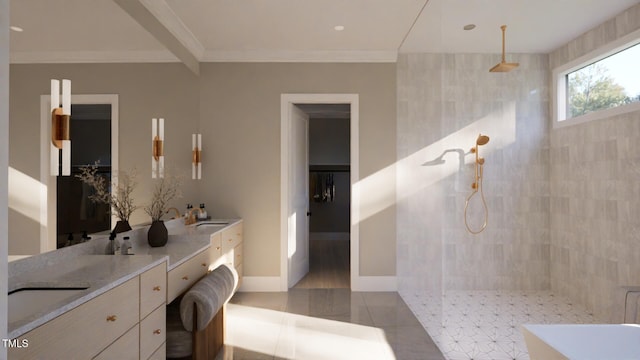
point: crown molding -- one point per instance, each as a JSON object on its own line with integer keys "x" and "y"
{"x": 344, "y": 56}
{"x": 165, "y": 56}
{"x": 66, "y": 57}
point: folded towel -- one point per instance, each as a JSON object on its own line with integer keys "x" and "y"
{"x": 208, "y": 295}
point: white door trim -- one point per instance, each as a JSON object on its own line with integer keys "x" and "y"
{"x": 48, "y": 198}
{"x": 286, "y": 100}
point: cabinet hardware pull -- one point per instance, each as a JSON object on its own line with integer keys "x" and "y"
{"x": 239, "y": 234}
{"x": 156, "y": 331}
{"x": 217, "y": 247}
{"x": 185, "y": 278}
{"x": 111, "y": 318}
{"x": 156, "y": 288}
{"x": 203, "y": 264}
{"x": 230, "y": 240}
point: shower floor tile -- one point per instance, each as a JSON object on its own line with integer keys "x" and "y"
{"x": 482, "y": 325}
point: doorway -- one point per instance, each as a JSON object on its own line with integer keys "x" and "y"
{"x": 295, "y": 252}
{"x": 329, "y": 196}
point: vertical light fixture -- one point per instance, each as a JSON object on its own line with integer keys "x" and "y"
{"x": 196, "y": 161}
{"x": 60, "y": 118}
{"x": 157, "y": 148}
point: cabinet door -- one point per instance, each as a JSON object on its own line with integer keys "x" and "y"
{"x": 125, "y": 348}
{"x": 87, "y": 329}
{"x": 152, "y": 289}
{"x": 215, "y": 251}
{"x": 153, "y": 332}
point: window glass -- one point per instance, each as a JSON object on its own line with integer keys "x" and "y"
{"x": 607, "y": 83}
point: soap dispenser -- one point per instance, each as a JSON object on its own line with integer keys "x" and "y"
{"x": 202, "y": 214}
{"x": 187, "y": 213}
{"x": 126, "y": 248}
{"x": 113, "y": 245}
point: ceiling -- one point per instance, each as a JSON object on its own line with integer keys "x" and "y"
{"x": 194, "y": 31}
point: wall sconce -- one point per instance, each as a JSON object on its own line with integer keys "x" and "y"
{"x": 157, "y": 148}
{"x": 196, "y": 161}
{"x": 60, "y": 117}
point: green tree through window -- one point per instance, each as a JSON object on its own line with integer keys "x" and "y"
{"x": 592, "y": 88}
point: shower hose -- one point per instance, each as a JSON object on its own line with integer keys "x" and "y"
{"x": 477, "y": 189}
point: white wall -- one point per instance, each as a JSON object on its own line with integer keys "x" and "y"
{"x": 4, "y": 164}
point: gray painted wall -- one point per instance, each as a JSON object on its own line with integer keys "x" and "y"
{"x": 145, "y": 91}
{"x": 240, "y": 107}
{"x": 236, "y": 107}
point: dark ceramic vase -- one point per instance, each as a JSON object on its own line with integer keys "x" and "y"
{"x": 121, "y": 226}
{"x": 158, "y": 234}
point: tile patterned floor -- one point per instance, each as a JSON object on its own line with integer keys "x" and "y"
{"x": 486, "y": 324}
{"x": 325, "y": 324}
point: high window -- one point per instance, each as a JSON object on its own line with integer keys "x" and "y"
{"x": 601, "y": 84}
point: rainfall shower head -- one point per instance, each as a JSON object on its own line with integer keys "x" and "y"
{"x": 503, "y": 66}
{"x": 482, "y": 139}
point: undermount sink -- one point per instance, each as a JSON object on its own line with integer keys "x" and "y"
{"x": 213, "y": 223}
{"x": 24, "y": 301}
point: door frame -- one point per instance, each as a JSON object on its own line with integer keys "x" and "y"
{"x": 286, "y": 102}
{"x": 48, "y": 210}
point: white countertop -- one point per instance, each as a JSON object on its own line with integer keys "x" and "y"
{"x": 100, "y": 273}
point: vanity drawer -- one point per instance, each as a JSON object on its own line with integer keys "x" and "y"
{"x": 215, "y": 251}
{"x": 152, "y": 289}
{"x": 237, "y": 255}
{"x": 160, "y": 354}
{"x": 126, "y": 347}
{"x": 231, "y": 237}
{"x": 87, "y": 329}
{"x": 186, "y": 274}
{"x": 153, "y": 332}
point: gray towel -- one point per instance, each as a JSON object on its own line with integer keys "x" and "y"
{"x": 208, "y": 295}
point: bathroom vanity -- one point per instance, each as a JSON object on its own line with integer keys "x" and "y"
{"x": 76, "y": 301}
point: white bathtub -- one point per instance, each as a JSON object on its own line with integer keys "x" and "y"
{"x": 593, "y": 342}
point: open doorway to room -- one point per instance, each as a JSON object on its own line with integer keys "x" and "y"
{"x": 294, "y": 186}
{"x": 329, "y": 196}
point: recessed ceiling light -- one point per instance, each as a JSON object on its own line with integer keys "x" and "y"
{"x": 469, "y": 27}
{"x": 16, "y": 28}
{"x": 338, "y": 28}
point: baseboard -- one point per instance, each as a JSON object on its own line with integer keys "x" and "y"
{"x": 360, "y": 283}
{"x": 374, "y": 283}
{"x": 329, "y": 236}
{"x": 260, "y": 284}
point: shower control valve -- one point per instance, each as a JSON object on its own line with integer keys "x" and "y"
{"x": 473, "y": 150}
{"x": 474, "y": 186}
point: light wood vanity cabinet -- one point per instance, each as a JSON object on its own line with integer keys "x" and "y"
{"x": 232, "y": 248}
{"x": 125, "y": 348}
{"x": 126, "y": 322}
{"x": 86, "y": 330}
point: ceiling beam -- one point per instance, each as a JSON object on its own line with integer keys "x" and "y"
{"x": 161, "y": 22}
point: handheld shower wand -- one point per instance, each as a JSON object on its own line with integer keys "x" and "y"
{"x": 477, "y": 185}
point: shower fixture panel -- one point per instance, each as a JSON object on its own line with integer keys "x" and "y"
{"x": 477, "y": 184}
{"x": 503, "y": 66}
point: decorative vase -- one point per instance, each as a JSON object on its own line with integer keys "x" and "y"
{"x": 158, "y": 234}
{"x": 121, "y": 226}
